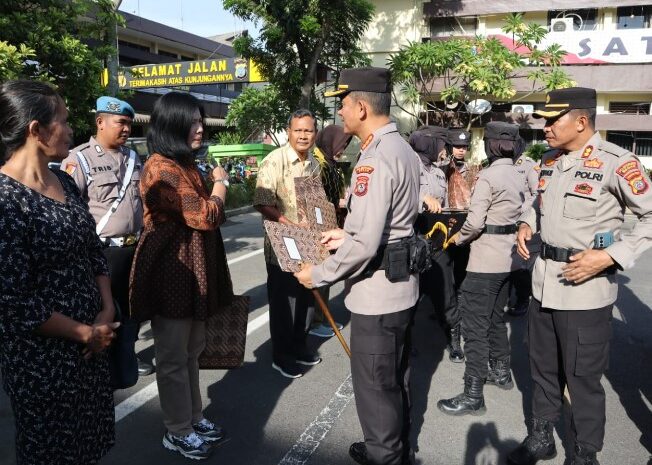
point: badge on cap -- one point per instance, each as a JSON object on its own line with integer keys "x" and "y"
{"x": 361, "y": 185}
{"x": 462, "y": 136}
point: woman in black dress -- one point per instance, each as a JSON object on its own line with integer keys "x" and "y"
{"x": 56, "y": 309}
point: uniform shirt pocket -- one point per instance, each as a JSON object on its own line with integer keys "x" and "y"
{"x": 581, "y": 200}
{"x": 592, "y": 349}
{"x": 375, "y": 359}
{"x": 106, "y": 186}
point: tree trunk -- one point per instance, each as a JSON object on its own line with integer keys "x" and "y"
{"x": 311, "y": 75}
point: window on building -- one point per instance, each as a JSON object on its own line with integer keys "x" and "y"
{"x": 583, "y": 20}
{"x": 453, "y": 26}
{"x": 634, "y": 17}
{"x": 124, "y": 43}
{"x": 630, "y": 108}
{"x": 163, "y": 53}
{"x": 639, "y": 143}
{"x": 185, "y": 58}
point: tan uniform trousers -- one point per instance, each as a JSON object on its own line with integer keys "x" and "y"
{"x": 177, "y": 345}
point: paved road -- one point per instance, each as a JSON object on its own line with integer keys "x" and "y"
{"x": 312, "y": 420}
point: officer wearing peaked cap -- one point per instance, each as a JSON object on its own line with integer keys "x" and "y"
{"x": 383, "y": 205}
{"x": 584, "y": 189}
{"x": 107, "y": 174}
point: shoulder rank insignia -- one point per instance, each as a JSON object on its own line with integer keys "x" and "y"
{"x": 587, "y": 151}
{"x": 550, "y": 161}
{"x": 361, "y": 185}
{"x": 71, "y": 167}
{"x": 364, "y": 170}
{"x": 594, "y": 163}
{"x": 584, "y": 189}
{"x": 520, "y": 161}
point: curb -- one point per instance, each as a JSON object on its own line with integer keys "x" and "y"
{"x": 239, "y": 211}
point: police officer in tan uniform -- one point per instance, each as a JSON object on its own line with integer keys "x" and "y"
{"x": 521, "y": 282}
{"x": 438, "y": 282}
{"x": 584, "y": 189}
{"x": 107, "y": 174}
{"x": 490, "y": 228}
{"x": 383, "y": 205}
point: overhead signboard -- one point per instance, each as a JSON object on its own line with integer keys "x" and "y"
{"x": 595, "y": 47}
{"x": 189, "y": 73}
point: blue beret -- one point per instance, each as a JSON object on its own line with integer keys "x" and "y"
{"x": 114, "y": 106}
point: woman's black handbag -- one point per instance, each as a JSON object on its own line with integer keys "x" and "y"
{"x": 123, "y": 363}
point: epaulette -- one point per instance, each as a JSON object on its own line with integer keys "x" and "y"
{"x": 613, "y": 149}
{"x": 81, "y": 147}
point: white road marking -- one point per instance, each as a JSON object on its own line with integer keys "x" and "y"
{"x": 310, "y": 439}
{"x": 140, "y": 398}
{"x": 245, "y": 256}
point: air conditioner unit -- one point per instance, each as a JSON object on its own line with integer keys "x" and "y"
{"x": 561, "y": 25}
{"x": 522, "y": 108}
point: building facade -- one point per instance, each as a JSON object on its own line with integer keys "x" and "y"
{"x": 609, "y": 45}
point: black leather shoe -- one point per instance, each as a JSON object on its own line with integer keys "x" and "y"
{"x": 499, "y": 373}
{"x": 538, "y": 445}
{"x": 358, "y": 452}
{"x": 584, "y": 457}
{"x": 144, "y": 368}
{"x": 455, "y": 351}
{"x": 471, "y": 401}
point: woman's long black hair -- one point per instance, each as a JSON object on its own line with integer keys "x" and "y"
{"x": 170, "y": 125}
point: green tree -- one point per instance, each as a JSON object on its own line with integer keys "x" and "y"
{"x": 299, "y": 37}
{"x": 258, "y": 110}
{"x": 48, "y": 40}
{"x": 466, "y": 69}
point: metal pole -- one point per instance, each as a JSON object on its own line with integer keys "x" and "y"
{"x": 113, "y": 62}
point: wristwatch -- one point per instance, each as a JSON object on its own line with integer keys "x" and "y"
{"x": 224, "y": 181}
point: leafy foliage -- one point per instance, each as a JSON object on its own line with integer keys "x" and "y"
{"x": 46, "y": 40}
{"x": 258, "y": 110}
{"x": 298, "y": 38}
{"x": 466, "y": 69}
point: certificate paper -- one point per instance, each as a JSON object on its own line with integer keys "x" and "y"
{"x": 294, "y": 245}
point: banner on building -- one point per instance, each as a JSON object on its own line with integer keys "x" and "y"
{"x": 188, "y": 73}
{"x": 595, "y": 47}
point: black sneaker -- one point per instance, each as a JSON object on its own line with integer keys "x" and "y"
{"x": 190, "y": 446}
{"x": 358, "y": 452}
{"x": 287, "y": 371}
{"x": 208, "y": 431}
{"x": 309, "y": 359}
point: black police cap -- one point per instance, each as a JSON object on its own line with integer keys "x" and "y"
{"x": 501, "y": 131}
{"x": 561, "y": 101}
{"x": 459, "y": 137}
{"x": 364, "y": 80}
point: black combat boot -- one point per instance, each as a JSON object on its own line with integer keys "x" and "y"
{"x": 471, "y": 401}
{"x": 455, "y": 351}
{"x": 538, "y": 445}
{"x": 499, "y": 373}
{"x": 584, "y": 457}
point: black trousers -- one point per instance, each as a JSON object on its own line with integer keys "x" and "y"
{"x": 482, "y": 299}
{"x": 521, "y": 282}
{"x": 291, "y": 308}
{"x": 380, "y": 371}
{"x": 570, "y": 348}
{"x": 119, "y": 260}
{"x": 438, "y": 283}
{"x": 459, "y": 255}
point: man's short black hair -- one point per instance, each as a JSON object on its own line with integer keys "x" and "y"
{"x": 302, "y": 113}
{"x": 589, "y": 113}
{"x": 380, "y": 102}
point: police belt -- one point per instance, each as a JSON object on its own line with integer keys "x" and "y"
{"x": 500, "y": 229}
{"x": 557, "y": 254}
{"x": 380, "y": 260}
{"x": 120, "y": 241}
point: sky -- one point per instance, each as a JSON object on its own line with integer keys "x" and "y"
{"x": 201, "y": 17}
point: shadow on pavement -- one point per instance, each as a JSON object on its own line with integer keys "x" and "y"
{"x": 484, "y": 447}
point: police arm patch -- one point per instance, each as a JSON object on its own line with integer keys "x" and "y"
{"x": 361, "y": 186}
{"x": 71, "y": 167}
